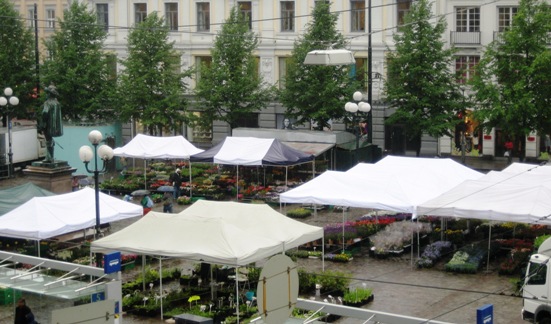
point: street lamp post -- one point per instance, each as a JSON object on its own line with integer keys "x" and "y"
{"x": 105, "y": 153}
{"x": 356, "y": 108}
{"x": 6, "y": 101}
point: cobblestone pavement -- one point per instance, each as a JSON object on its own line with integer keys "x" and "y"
{"x": 397, "y": 286}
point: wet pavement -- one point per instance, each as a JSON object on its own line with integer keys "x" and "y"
{"x": 398, "y": 287}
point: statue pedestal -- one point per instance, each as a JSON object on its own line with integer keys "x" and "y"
{"x": 54, "y": 176}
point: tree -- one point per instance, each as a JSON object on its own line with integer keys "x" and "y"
{"x": 152, "y": 84}
{"x": 420, "y": 85}
{"x": 314, "y": 93}
{"x": 79, "y": 68}
{"x": 17, "y": 57}
{"x": 230, "y": 87}
{"x": 512, "y": 86}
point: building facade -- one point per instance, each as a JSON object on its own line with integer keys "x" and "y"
{"x": 194, "y": 24}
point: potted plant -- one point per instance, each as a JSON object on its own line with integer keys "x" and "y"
{"x": 358, "y": 297}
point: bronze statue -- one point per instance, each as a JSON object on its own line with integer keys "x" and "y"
{"x": 50, "y": 123}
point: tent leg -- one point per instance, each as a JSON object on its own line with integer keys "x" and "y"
{"x": 161, "y": 284}
{"x": 343, "y": 230}
{"x": 143, "y": 272}
{"x": 190, "y": 182}
{"x": 237, "y": 293}
{"x": 489, "y": 243}
{"x": 237, "y": 184}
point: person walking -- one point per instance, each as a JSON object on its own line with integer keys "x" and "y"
{"x": 23, "y": 314}
{"x": 167, "y": 202}
{"x": 147, "y": 204}
{"x": 176, "y": 180}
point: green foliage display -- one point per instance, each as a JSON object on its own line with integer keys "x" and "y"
{"x": 151, "y": 85}
{"x": 299, "y": 213}
{"x": 357, "y": 295}
{"x": 420, "y": 85}
{"x": 17, "y": 58}
{"x": 511, "y": 88}
{"x": 230, "y": 87}
{"x": 315, "y": 92}
{"x": 539, "y": 240}
{"x": 332, "y": 282}
{"x": 79, "y": 68}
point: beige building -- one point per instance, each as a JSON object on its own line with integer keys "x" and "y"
{"x": 194, "y": 24}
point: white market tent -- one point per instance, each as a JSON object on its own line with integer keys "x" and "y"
{"x": 395, "y": 183}
{"x": 227, "y": 233}
{"x": 152, "y": 147}
{"x": 45, "y": 217}
{"x": 218, "y": 232}
{"x": 522, "y": 197}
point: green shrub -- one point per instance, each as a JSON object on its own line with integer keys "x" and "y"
{"x": 359, "y": 294}
{"x": 539, "y": 240}
{"x": 299, "y": 213}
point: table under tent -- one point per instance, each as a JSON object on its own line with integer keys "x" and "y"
{"x": 521, "y": 193}
{"x": 252, "y": 151}
{"x": 153, "y": 147}
{"x": 223, "y": 233}
{"x": 397, "y": 184}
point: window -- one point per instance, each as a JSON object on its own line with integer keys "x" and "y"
{"x": 467, "y": 19}
{"x": 357, "y": 10}
{"x": 287, "y": 16}
{"x": 358, "y": 71}
{"x": 103, "y": 15}
{"x": 537, "y": 273}
{"x": 199, "y": 62}
{"x": 249, "y": 120}
{"x": 245, "y": 8}
{"x": 203, "y": 16}
{"x": 140, "y": 12}
{"x": 30, "y": 17}
{"x": 50, "y": 18}
{"x": 171, "y": 15}
{"x": 465, "y": 67}
{"x": 403, "y": 8}
{"x": 505, "y": 17}
{"x": 283, "y": 67}
{"x": 199, "y": 134}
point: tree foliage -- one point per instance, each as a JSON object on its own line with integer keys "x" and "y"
{"x": 512, "y": 85}
{"x": 420, "y": 85}
{"x": 17, "y": 58}
{"x": 315, "y": 92}
{"x": 230, "y": 87}
{"x": 152, "y": 84}
{"x": 79, "y": 67}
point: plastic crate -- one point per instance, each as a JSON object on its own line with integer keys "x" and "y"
{"x": 9, "y": 296}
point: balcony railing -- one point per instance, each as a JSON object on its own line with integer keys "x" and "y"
{"x": 465, "y": 38}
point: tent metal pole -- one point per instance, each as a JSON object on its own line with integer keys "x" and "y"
{"x": 161, "y": 284}
{"x": 237, "y": 184}
{"x": 237, "y": 292}
{"x": 143, "y": 272}
{"x": 323, "y": 252}
{"x": 145, "y": 174}
{"x": 343, "y": 229}
{"x": 489, "y": 243}
{"x": 190, "y": 182}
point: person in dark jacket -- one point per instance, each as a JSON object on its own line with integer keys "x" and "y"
{"x": 176, "y": 180}
{"x": 23, "y": 314}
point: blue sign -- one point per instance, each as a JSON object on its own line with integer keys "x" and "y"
{"x": 112, "y": 262}
{"x": 485, "y": 314}
{"x": 98, "y": 297}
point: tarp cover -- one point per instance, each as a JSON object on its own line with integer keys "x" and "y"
{"x": 522, "y": 194}
{"x": 153, "y": 147}
{"x": 46, "y": 217}
{"x": 14, "y": 197}
{"x": 394, "y": 183}
{"x": 228, "y": 233}
{"x": 252, "y": 151}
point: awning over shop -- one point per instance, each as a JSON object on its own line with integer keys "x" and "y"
{"x": 315, "y": 149}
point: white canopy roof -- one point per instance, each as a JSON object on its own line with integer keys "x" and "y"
{"x": 521, "y": 196}
{"x": 394, "y": 183}
{"x": 152, "y": 147}
{"x": 227, "y": 233}
{"x": 45, "y": 217}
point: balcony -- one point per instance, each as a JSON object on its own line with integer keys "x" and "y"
{"x": 465, "y": 38}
